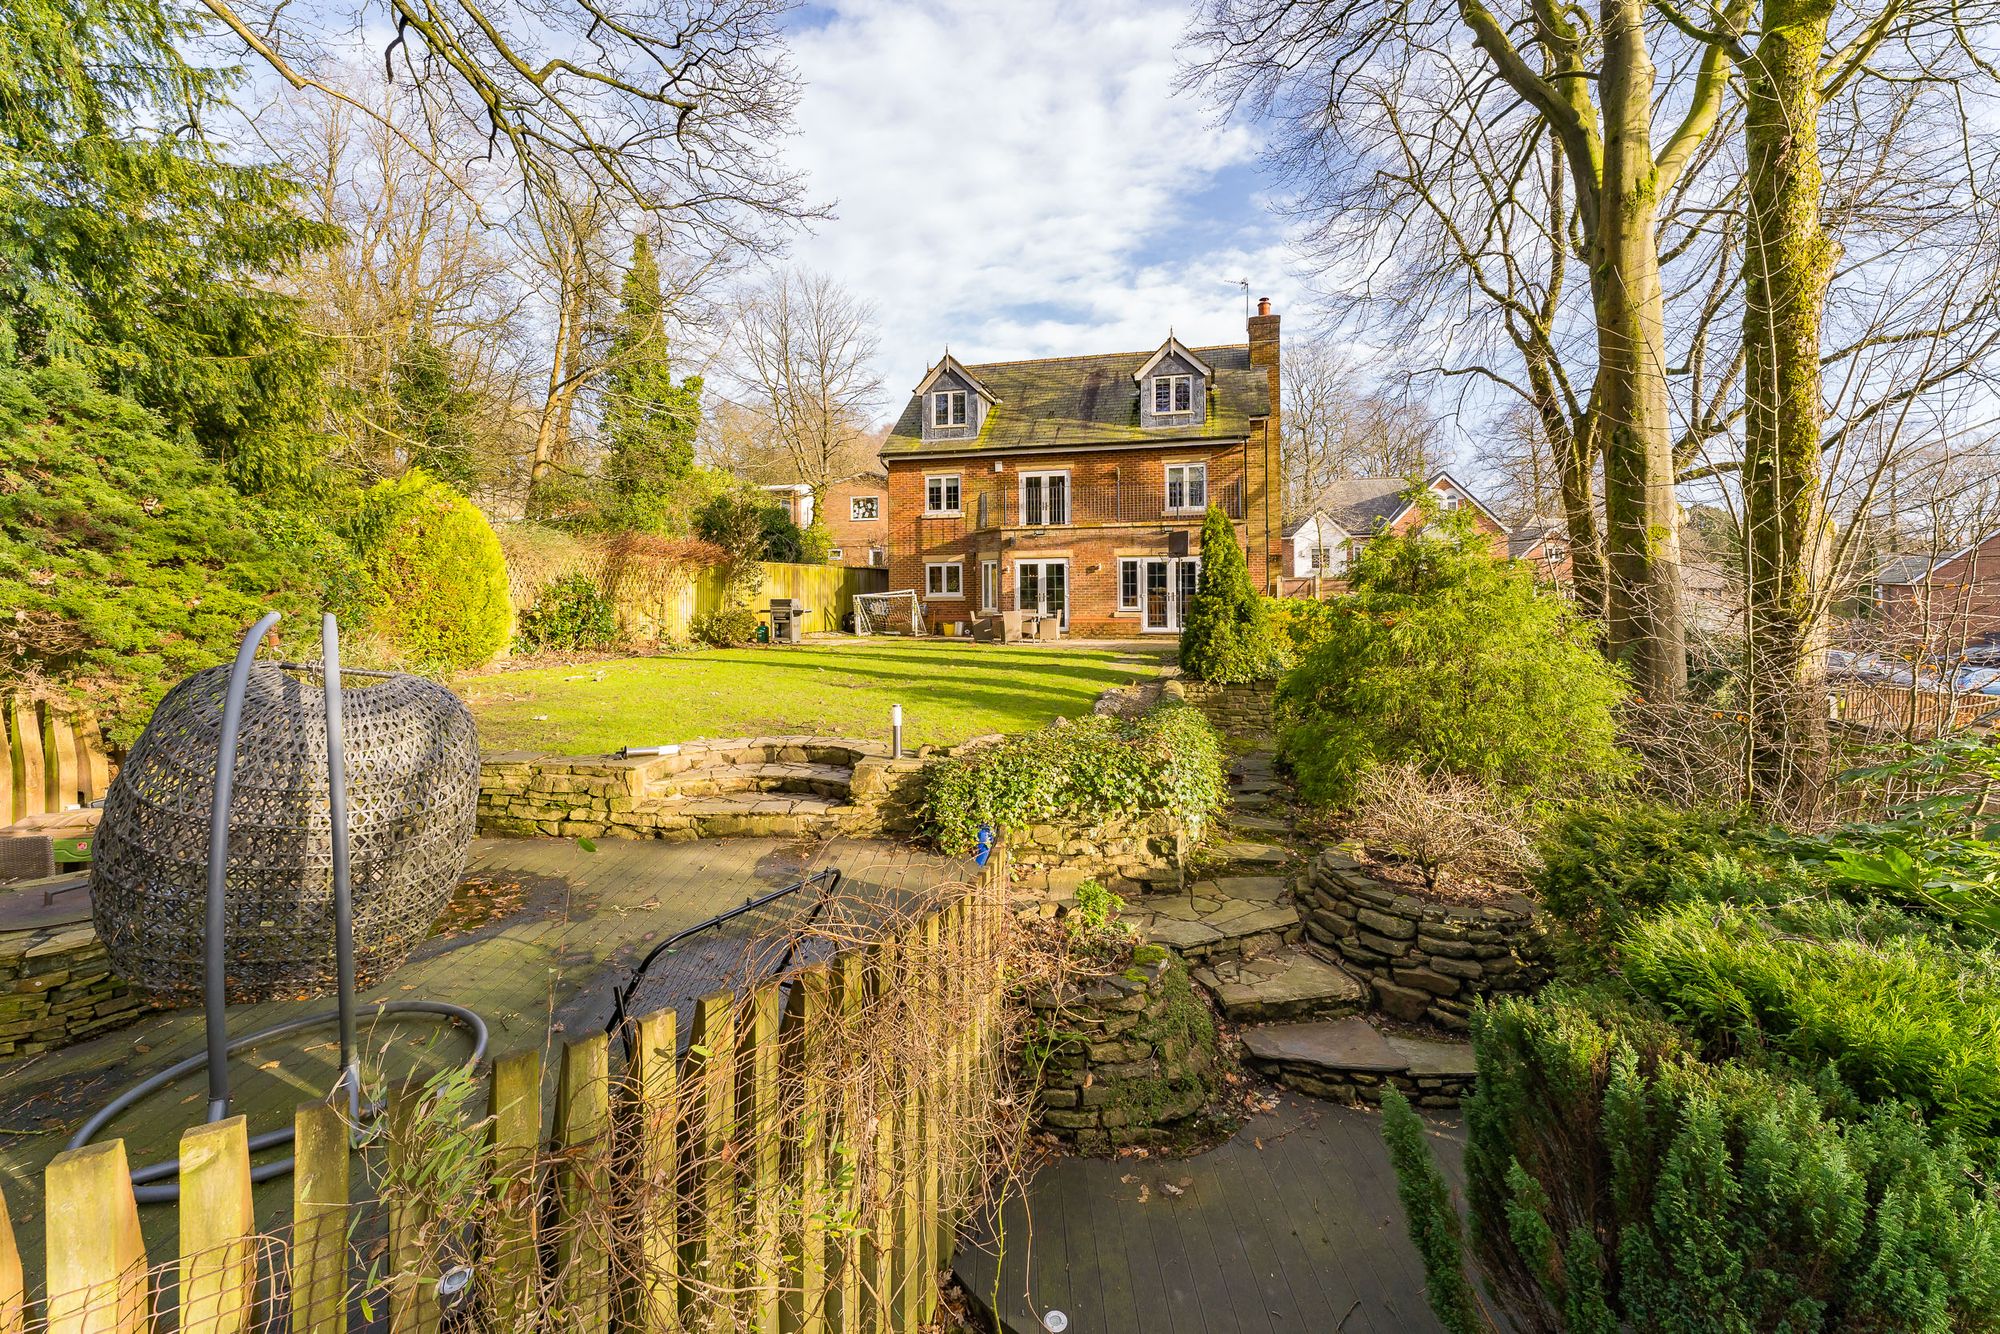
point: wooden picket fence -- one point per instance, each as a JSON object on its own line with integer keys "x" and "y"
{"x": 55, "y": 762}
{"x": 1903, "y": 711}
{"x": 741, "y": 1184}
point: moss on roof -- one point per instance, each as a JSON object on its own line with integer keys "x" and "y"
{"x": 1058, "y": 402}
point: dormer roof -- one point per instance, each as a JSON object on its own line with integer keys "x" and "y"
{"x": 956, "y": 367}
{"x": 1172, "y": 347}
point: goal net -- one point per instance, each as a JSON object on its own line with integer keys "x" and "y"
{"x": 898, "y": 612}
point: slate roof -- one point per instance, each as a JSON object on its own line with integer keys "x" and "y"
{"x": 1527, "y": 537}
{"x": 1363, "y": 504}
{"x": 1064, "y": 402}
{"x": 1903, "y": 570}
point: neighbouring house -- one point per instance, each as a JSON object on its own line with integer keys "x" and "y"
{"x": 1324, "y": 540}
{"x": 795, "y": 497}
{"x": 855, "y": 511}
{"x": 1942, "y": 604}
{"x": 1075, "y": 487}
{"x": 1545, "y": 546}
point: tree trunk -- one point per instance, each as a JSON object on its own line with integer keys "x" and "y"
{"x": 1787, "y": 262}
{"x": 1642, "y": 606}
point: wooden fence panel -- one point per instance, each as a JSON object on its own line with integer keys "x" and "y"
{"x": 96, "y": 1258}
{"x": 764, "y": 1129}
{"x": 807, "y": 1016}
{"x": 218, "y": 1273}
{"x": 583, "y": 1137}
{"x": 51, "y": 760}
{"x": 850, "y": 993}
{"x": 653, "y": 1114}
{"x": 31, "y": 784}
{"x": 514, "y": 1107}
{"x": 414, "y": 1307}
{"x": 708, "y": 1077}
{"x": 13, "y": 1282}
{"x": 320, "y": 1184}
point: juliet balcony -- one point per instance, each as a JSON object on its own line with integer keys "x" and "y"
{"x": 1046, "y": 502}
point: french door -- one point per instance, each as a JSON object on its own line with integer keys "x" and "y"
{"x": 1166, "y": 585}
{"x": 1042, "y": 587}
{"x": 1044, "y": 499}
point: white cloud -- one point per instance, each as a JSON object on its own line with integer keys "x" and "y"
{"x": 1022, "y": 179}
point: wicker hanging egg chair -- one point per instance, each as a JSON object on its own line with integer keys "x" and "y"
{"x": 412, "y": 764}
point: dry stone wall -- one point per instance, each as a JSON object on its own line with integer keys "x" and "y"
{"x": 1124, "y": 854}
{"x": 57, "y": 987}
{"x": 1244, "y": 709}
{"x": 1425, "y": 959}
{"x": 1127, "y": 1058}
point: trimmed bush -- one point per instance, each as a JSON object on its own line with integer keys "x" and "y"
{"x": 1617, "y": 1184}
{"x": 1446, "y": 656}
{"x": 1300, "y": 624}
{"x": 1228, "y": 633}
{"x": 570, "y": 614}
{"x": 1079, "y": 771}
{"x": 436, "y": 579}
{"x": 729, "y": 627}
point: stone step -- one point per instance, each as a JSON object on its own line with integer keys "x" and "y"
{"x": 1353, "y": 1060}
{"x": 819, "y": 780}
{"x": 743, "y": 815}
{"x": 1261, "y": 856}
{"x": 1230, "y": 916}
{"x": 1289, "y": 984}
{"x": 1240, "y": 822}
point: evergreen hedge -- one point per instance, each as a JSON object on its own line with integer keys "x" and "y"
{"x": 437, "y": 582}
{"x": 1227, "y": 636}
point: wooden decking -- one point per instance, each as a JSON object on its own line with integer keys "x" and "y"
{"x": 536, "y": 944}
{"x": 1292, "y": 1227}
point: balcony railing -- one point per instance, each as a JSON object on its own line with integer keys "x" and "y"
{"x": 1116, "y": 502}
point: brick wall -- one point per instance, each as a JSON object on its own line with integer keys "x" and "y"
{"x": 856, "y": 537}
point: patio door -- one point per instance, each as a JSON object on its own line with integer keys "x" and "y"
{"x": 1166, "y": 585}
{"x": 1041, "y": 587}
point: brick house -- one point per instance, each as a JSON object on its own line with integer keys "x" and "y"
{"x": 1942, "y": 605}
{"x": 1545, "y": 546}
{"x": 1075, "y": 487}
{"x": 855, "y": 511}
{"x": 1321, "y": 542}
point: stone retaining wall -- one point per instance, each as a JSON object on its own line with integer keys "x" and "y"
{"x": 529, "y": 793}
{"x": 1241, "y": 710}
{"x": 1127, "y": 855}
{"x": 1128, "y": 1057}
{"x": 1424, "y": 959}
{"x": 56, "y": 987}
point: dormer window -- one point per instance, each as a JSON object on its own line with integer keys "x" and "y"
{"x": 1172, "y": 394}
{"x": 948, "y": 407}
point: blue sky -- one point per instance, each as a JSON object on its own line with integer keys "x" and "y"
{"x": 1022, "y": 179}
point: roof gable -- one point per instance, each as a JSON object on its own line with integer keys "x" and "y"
{"x": 950, "y": 365}
{"x": 1173, "y": 347}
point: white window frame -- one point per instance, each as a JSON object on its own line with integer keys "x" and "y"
{"x": 957, "y": 486}
{"x": 1172, "y": 385}
{"x": 1447, "y": 501}
{"x": 1069, "y": 497}
{"x": 834, "y": 553}
{"x": 854, "y": 504}
{"x": 1134, "y": 566}
{"x": 989, "y": 585}
{"x": 948, "y": 409}
{"x": 1187, "y": 471}
{"x": 950, "y": 589}
{"x": 1320, "y": 557}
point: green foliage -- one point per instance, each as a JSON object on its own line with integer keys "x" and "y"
{"x": 1603, "y": 865}
{"x": 726, "y": 627}
{"x": 1080, "y": 771}
{"x": 1227, "y": 635}
{"x": 131, "y": 247}
{"x": 1092, "y": 920}
{"x": 570, "y": 614}
{"x": 126, "y": 561}
{"x": 1430, "y": 1215}
{"x": 434, "y": 416}
{"x": 1615, "y": 1183}
{"x": 437, "y": 583}
{"x": 1898, "y": 1018}
{"x": 1300, "y": 624}
{"x": 650, "y": 421}
{"x": 1447, "y": 656}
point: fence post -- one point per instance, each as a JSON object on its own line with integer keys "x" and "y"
{"x": 65, "y": 772}
{"x": 909, "y": 1263}
{"x": 805, "y": 1044}
{"x": 514, "y": 1105}
{"x": 709, "y": 1076}
{"x": 933, "y": 1074}
{"x": 13, "y": 1290}
{"x": 319, "y": 1220}
{"x": 218, "y": 1265}
{"x": 850, "y": 994}
{"x": 652, "y": 1111}
{"x": 96, "y": 765}
{"x": 878, "y": 1268}
{"x": 31, "y": 796}
{"x": 761, "y": 1111}
{"x": 583, "y": 1134}
{"x": 96, "y": 1259}
{"x": 413, "y": 1296}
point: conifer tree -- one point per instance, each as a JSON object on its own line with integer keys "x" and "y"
{"x": 1226, "y": 634}
{"x": 649, "y": 420}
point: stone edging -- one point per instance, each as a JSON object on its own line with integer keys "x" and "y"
{"x": 1128, "y": 1057}
{"x": 57, "y": 987}
{"x": 1426, "y": 960}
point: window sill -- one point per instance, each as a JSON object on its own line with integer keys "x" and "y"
{"x": 944, "y": 514}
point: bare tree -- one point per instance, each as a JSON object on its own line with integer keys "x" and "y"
{"x": 806, "y": 350}
{"x": 1336, "y": 426}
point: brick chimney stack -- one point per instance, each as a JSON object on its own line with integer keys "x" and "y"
{"x": 1265, "y": 466}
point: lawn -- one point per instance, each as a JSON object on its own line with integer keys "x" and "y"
{"x": 949, "y": 691}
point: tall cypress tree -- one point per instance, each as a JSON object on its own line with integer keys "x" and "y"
{"x": 649, "y": 420}
{"x": 1226, "y": 634}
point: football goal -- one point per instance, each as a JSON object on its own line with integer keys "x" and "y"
{"x": 897, "y": 612}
